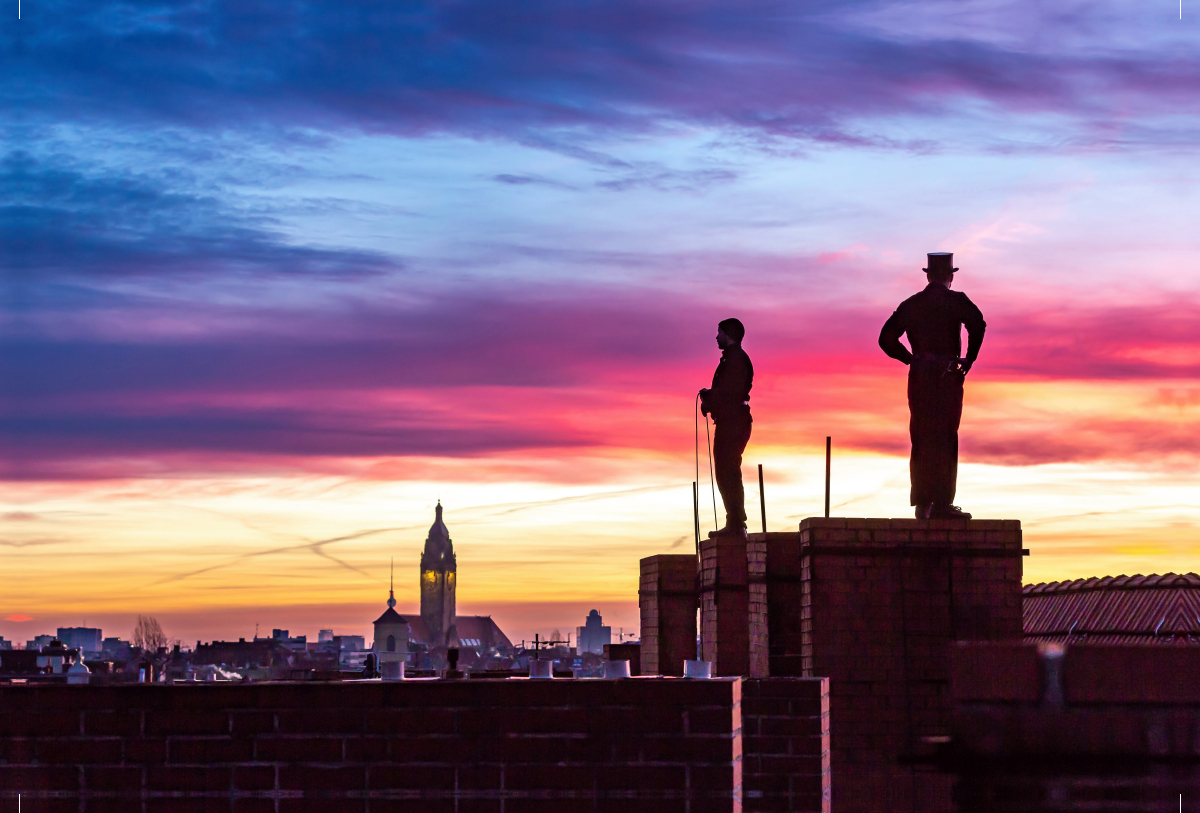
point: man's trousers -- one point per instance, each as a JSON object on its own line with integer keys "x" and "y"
{"x": 729, "y": 441}
{"x": 935, "y": 398}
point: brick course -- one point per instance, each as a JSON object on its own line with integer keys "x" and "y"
{"x": 504, "y": 745}
{"x": 785, "y": 742}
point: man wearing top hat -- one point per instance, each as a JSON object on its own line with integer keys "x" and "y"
{"x": 933, "y": 320}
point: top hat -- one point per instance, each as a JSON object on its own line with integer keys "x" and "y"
{"x": 940, "y": 262}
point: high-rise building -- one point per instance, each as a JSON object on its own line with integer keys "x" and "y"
{"x": 438, "y": 571}
{"x": 85, "y": 639}
{"x": 593, "y": 636}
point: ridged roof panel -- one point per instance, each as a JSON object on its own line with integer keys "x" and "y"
{"x": 1156, "y": 605}
{"x": 1122, "y": 581}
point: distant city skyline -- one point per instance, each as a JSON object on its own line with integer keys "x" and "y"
{"x": 276, "y": 280}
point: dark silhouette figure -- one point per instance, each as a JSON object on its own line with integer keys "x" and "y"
{"x": 933, "y": 320}
{"x": 728, "y": 401}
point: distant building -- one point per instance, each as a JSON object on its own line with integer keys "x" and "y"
{"x": 284, "y": 639}
{"x": 325, "y": 636}
{"x": 259, "y": 653}
{"x": 116, "y": 649}
{"x": 439, "y": 569}
{"x": 50, "y": 661}
{"x": 85, "y": 639}
{"x": 39, "y": 641}
{"x": 391, "y": 638}
{"x": 593, "y": 636}
{"x": 20, "y": 662}
{"x": 5, "y": 644}
{"x": 349, "y": 643}
{"x": 479, "y": 632}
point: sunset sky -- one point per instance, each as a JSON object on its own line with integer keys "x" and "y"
{"x": 277, "y": 277}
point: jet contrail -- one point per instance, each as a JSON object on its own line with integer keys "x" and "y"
{"x": 497, "y": 510}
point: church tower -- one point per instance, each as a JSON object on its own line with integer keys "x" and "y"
{"x": 438, "y": 569}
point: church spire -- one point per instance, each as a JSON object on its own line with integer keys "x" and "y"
{"x": 391, "y": 602}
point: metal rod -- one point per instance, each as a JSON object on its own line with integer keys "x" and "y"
{"x": 696, "y": 512}
{"x": 762, "y": 498}
{"x": 828, "y": 449}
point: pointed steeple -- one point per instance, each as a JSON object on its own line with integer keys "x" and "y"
{"x": 391, "y": 602}
{"x": 439, "y": 550}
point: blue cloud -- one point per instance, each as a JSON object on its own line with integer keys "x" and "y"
{"x": 62, "y": 220}
{"x": 489, "y": 68}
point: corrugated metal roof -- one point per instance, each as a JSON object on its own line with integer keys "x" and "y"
{"x": 1109, "y": 582}
{"x": 1121, "y": 609}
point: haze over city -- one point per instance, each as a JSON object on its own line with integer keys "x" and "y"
{"x": 278, "y": 279}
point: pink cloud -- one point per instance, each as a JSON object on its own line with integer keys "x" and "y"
{"x": 561, "y": 373}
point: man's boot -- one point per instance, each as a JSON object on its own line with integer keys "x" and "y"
{"x": 730, "y": 529}
{"x": 948, "y": 512}
{"x": 922, "y": 511}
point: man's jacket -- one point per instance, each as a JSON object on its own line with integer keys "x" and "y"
{"x": 728, "y": 399}
{"x": 933, "y": 320}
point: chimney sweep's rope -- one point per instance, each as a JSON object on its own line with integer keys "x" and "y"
{"x": 711, "y": 478}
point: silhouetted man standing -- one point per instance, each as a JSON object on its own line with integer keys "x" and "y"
{"x": 728, "y": 401}
{"x": 933, "y": 320}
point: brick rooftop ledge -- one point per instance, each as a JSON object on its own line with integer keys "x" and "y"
{"x": 504, "y": 745}
{"x": 884, "y": 523}
{"x": 973, "y": 537}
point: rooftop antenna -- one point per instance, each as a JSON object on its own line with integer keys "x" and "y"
{"x": 828, "y": 455}
{"x": 762, "y": 499}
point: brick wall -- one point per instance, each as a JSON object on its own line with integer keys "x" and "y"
{"x": 880, "y": 602}
{"x": 785, "y": 736}
{"x": 514, "y": 745}
{"x": 1102, "y": 728}
{"x": 725, "y": 605}
{"x": 667, "y": 603}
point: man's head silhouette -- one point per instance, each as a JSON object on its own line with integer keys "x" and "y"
{"x": 730, "y": 332}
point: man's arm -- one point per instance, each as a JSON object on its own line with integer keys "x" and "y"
{"x": 889, "y": 339}
{"x": 973, "y": 320}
